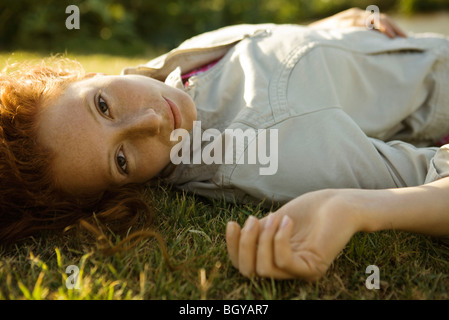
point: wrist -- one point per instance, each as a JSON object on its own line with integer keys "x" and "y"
{"x": 362, "y": 208}
{"x": 420, "y": 209}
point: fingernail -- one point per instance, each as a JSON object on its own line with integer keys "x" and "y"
{"x": 284, "y": 221}
{"x": 250, "y": 222}
{"x": 270, "y": 221}
{"x": 230, "y": 227}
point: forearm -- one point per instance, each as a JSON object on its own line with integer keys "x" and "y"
{"x": 356, "y": 17}
{"x": 422, "y": 209}
{"x": 342, "y": 19}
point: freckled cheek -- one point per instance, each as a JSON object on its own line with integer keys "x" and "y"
{"x": 152, "y": 159}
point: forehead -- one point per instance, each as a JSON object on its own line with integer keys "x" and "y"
{"x": 68, "y": 130}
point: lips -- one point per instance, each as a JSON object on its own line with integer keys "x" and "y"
{"x": 174, "y": 114}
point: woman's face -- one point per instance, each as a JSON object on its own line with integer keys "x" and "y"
{"x": 108, "y": 131}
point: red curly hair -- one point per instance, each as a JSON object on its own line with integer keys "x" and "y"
{"x": 29, "y": 200}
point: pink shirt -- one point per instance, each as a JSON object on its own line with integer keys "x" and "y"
{"x": 185, "y": 77}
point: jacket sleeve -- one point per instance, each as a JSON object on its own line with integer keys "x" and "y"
{"x": 197, "y": 51}
{"x": 439, "y": 165}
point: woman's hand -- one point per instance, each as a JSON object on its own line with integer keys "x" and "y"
{"x": 356, "y": 17}
{"x": 300, "y": 240}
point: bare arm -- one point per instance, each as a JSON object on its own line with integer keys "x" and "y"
{"x": 421, "y": 209}
{"x": 302, "y": 238}
{"x": 356, "y": 17}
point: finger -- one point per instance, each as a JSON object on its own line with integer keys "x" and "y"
{"x": 232, "y": 242}
{"x": 386, "y": 20}
{"x": 389, "y": 32}
{"x": 265, "y": 266}
{"x": 388, "y": 27}
{"x": 385, "y": 29}
{"x": 263, "y": 221}
{"x": 398, "y": 30}
{"x": 248, "y": 247}
{"x": 284, "y": 258}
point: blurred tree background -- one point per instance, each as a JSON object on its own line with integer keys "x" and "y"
{"x": 131, "y": 27}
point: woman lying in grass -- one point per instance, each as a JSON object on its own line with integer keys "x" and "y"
{"x": 353, "y": 118}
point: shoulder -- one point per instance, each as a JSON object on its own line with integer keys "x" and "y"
{"x": 224, "y": 35}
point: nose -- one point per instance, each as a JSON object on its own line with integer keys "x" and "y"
{"x": 146, "y": 123}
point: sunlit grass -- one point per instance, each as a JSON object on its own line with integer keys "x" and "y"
{"x": 109, "y": 64}
{"x": 411, "y": 266}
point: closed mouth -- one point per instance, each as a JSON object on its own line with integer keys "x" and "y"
{"x": 174, "y": 114}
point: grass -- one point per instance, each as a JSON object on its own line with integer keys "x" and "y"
{"x": 411, "y": 266}
{"x": 110, "y": 64}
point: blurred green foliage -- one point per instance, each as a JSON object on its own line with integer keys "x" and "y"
{"x": 132, "y": 26}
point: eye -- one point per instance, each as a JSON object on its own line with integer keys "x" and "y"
{"x": 122, "y": 162}
{"x": 103, "y": 106}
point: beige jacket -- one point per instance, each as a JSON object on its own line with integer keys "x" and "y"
{"x": 346, "y": 104}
